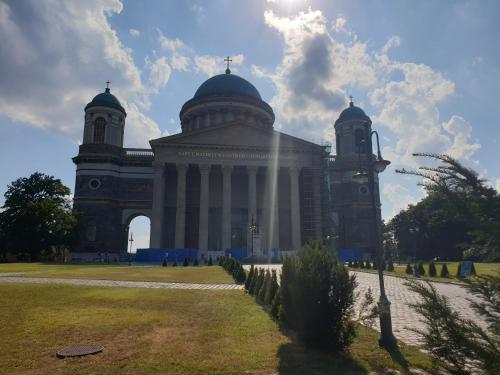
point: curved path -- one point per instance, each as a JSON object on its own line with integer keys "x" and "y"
{"x": 11, "y": 278}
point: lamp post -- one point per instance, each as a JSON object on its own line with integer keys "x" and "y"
{"x": 131, "y": 240}
{"x": 253, "y": 230}
{"x": 378, "y": 165}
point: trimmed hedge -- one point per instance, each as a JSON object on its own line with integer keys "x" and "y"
{"x": 234, "y": 268}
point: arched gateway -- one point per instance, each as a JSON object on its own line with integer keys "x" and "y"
{"x": 227, "y": 181}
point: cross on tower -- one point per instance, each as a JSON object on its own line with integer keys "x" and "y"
{"x": 107, "y": 84}
{"x": 350, "y": 101}
{"x": 228, "y": 60}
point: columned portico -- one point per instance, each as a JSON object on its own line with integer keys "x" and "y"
{"x": 180, "y": 213}
{"x": 158, "y": 205}
{"x": 226, "y": 206}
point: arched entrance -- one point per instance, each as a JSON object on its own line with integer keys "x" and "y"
{"x": 137, "y": 224}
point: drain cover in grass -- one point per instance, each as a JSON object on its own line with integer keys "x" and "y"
{"x": 79, "y": 350}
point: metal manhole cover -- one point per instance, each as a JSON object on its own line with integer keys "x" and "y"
{"x": 79, "y": 350}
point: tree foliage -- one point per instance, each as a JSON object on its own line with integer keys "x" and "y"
{"x": 36, "y": 219}
{"x": 461, "y": 343}
{"x": 458, "y": 219}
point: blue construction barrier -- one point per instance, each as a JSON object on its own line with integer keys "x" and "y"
{"x": 346, "y": 255}
{"x": 238, "y": 254}
{"x": 157, "y": 255}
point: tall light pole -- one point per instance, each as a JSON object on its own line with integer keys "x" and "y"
{"x": 253, "y": 230}
{"x": 378, "y": 165}
{"x": 131, "y": 240}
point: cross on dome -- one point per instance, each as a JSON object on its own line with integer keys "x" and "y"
{"x": 107, "y": 86}
{"x": 228, "y": 60}
{"x": 351, "y": 103}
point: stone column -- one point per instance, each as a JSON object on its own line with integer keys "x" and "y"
{"x": 252, "y": 193}
{"x": 226, "y": 206}
{"x": 271, "y": 209}
{"x": 204, "y": 206}
{"x": 295, "y": 208}
{"x": 158, "y": 205}
{"x": 180, "y": 211}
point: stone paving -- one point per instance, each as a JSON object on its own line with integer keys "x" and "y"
{"x": 10, "y": 278}
{"x": 403, "y": 316}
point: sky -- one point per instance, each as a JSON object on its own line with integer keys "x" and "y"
{"x": 426, "y": 72}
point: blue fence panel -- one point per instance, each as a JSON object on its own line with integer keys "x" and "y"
{"x": 238, "y": 254}
{"x": 157, "y": 255}
{"x": 346, "y": 255}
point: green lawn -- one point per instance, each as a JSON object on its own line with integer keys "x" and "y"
{"x": 147, "y": 331}
{"x": 481, "y": 269}
{"x": 202, "y": 274}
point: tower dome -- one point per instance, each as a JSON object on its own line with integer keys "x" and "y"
{"x": 227, "y": 84}
{"x": 352, "y": 113}
{"x": 106, "y": 99}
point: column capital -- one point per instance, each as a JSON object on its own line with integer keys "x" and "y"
{"x": 181, "y": 167}
{"x": 157, "y": 164}
{"x": 252, "y": 169}
{"x": 227, "y": 168}
{"x": 294, "y": 170}
{"x": 204, "y": 168}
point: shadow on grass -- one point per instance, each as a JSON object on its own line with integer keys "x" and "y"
{"x": 295, "y": 359}
{"x": 399, "y": 358}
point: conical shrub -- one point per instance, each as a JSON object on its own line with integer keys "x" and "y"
{"x": 265, "y": 286}
{"x": 409, "y": 269}
{"x": 248, "y": 281}
{"x": 444, "y": 271}
{"x": 432, "y": 269}
{"x": 390, "y": 266}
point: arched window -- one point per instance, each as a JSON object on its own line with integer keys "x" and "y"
{"x": 359, "y": 136}
{"x": 99, "y": 130}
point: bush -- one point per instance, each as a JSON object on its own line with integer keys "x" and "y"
{"x": 317, "y": 298}
{"x": 375, "y": 265}
{"x": 432, "y": 269}
{"x": 459, "y": 269}
{"x": 276, "y": 304}
{"x": 253, "y": 283}
{"x": 234, "y": 268}
{"x": 164, "y": 263}
{"x": 349, "y": 264}
{"x": 175, "y": 263}
{"x": 186, "y": 262}
{"x": 444, "y": 271}
{"x": 248, "y": 281}
{"x": 195, "y": 263}
{"x": 473, "y": 270}
{"x": 259, "y": 282}
{"x": 390, "y": 266}
{"x": 355, "y": 264}
{"x": 409, "y": 269}
{"x": 265, "y": 286}
{"x": 420, "y": 269}
{"x": 210, "y": 262}
{"x": 271, "y": 289}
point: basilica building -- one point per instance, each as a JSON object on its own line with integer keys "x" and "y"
{"x": 228, "y": 181}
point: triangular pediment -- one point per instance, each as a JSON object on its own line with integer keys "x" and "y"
{"x": 236, "y": 135}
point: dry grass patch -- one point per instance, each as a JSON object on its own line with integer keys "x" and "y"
{"x": 146, "y": 331}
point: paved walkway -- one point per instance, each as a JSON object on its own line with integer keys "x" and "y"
{"x": 10, "y": 278}
{"x": 403, "y": 316}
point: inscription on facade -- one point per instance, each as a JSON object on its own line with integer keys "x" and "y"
{"x": 235, "y": 155}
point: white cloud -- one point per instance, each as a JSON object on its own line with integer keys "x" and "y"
{"x": 318, "y": 71}
{"x": 398, "y": 196}
{"x": 212, "y": 65}
{"x": 497, "y": 185}
{"x": 60, "y": 55}
{"x": 159, "y": 73}
{"x": 180, "y": 62}
{"x": 134, "y": 32}
{"x": 171, "y": 45}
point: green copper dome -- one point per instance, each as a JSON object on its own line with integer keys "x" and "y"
{"x": 106, "y": 99}
{"x": 352, "y": 113}
{"x": 227, "y": 84}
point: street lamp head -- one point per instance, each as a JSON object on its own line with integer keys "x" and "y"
{"x": 380, "y": 165}
{"x": 360, "y": 177}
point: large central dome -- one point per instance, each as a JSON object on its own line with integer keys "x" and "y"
{"x": 227, "y": 84}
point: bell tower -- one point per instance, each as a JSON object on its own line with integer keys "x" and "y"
{"x": 104, "y": 120}
{"x": 352, "y": 202}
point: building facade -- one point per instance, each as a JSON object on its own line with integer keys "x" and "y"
{"x": 227, "y": 181}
